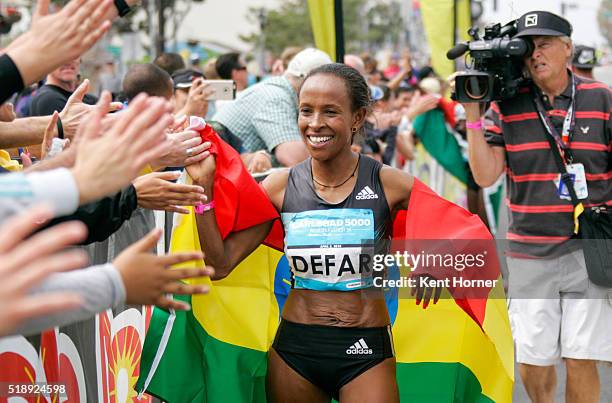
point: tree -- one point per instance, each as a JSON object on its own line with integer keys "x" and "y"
{"x": 163, "y": 14}
{"x": 366, "y": 26}
{"x": 604, "y": 17}
{"x": 287, "y": 26}
{"x": 385, "y": 25}
{"x": 160, "y": 14}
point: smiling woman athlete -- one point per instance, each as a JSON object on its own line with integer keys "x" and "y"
{"x": 337, "y": 207}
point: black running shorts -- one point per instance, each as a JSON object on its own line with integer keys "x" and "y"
{"x": 330, "y": 356}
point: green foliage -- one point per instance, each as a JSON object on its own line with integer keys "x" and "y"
{"x": 604, "y": 17}
{"x": 287, "y": 26}
{"x": 385, "y": 24}
{"x": 365, "y": 26}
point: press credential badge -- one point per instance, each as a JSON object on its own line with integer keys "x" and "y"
{"x": 578, "y": 179}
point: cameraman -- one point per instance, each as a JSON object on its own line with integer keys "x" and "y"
{"x": 560, "y": 313}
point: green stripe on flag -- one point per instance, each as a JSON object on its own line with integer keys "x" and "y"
{"x": 438, "y": 382}
{"x": 431, "y": 128}
{"x": 196, "y": 367}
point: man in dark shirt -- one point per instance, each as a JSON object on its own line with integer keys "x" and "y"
{"x": 60, "y": 84}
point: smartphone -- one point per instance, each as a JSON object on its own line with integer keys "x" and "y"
{"x": 222, "y": 89}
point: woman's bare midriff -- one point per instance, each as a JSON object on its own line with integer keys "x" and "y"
{"x": 362, "y": 308}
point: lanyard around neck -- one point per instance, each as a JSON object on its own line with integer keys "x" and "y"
{"x": 564, "y": 140}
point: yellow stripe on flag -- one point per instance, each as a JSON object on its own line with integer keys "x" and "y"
{"x": 247, "y": 293}
{"x": 445, "y": 333}
{"x": 7, "y": 163}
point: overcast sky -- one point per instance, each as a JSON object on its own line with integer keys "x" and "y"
{"x": 224, "y": 20}
{"x": 582, "y": 14}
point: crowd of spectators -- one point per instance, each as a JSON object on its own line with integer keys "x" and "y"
{"x": 79, "y": 169}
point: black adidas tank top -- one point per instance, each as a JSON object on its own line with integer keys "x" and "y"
{"x": 331, "y": 246}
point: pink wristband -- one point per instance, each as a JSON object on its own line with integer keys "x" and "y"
{"x": 474, "y": 125}
{"x": 201, "y": 208}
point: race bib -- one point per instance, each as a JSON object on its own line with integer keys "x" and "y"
{"x": 330, "y": 249}
{"x": 578, "y": 177}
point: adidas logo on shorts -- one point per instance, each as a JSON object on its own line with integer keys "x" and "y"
{"x": 359, "y": 348}
{"x": 365, "y": 194}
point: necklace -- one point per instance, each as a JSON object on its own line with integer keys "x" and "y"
{"x": 333, "y": 186}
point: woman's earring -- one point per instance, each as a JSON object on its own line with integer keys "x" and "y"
{"x": 353, "y": 130}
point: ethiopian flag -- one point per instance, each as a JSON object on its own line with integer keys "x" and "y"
{"x": 436, "y": 135}
{"x": 454, "y": 351}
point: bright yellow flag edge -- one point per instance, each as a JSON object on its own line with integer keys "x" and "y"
{"x": 438, "y": 20}
{"x": 323, "y": 26}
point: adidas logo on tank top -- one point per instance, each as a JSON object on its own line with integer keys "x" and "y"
{"x": 359, "y": 348}
{"x": 366, "y": 193}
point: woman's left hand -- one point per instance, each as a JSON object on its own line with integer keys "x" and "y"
{"x": 425, "y": 292}
{"x": 184, "y": 148}
{"x": 203, "y": 172}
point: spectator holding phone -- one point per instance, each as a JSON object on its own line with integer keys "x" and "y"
{"x": 191, "y": 93}
{"x": 265, "y": 116}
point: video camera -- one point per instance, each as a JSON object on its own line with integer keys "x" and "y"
{"x": 496, "y": 72}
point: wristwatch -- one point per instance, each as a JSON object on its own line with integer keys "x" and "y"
{"x": 122, "y": 7}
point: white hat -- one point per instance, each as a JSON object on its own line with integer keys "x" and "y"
{"x": 307, "y": 60}
{"x": 430, "y": 85}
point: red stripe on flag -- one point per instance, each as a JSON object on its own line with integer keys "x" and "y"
{"x": 458, "y": 224}
{"x": 592, "y": 115}
{"x": 585, "y": 145}
{"x": 520, "y": 117}
{"x": 537, "y": 145}
{"x": 240, "y": 202}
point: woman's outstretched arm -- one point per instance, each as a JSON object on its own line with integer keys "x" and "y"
{"x": 225, "y": 254}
